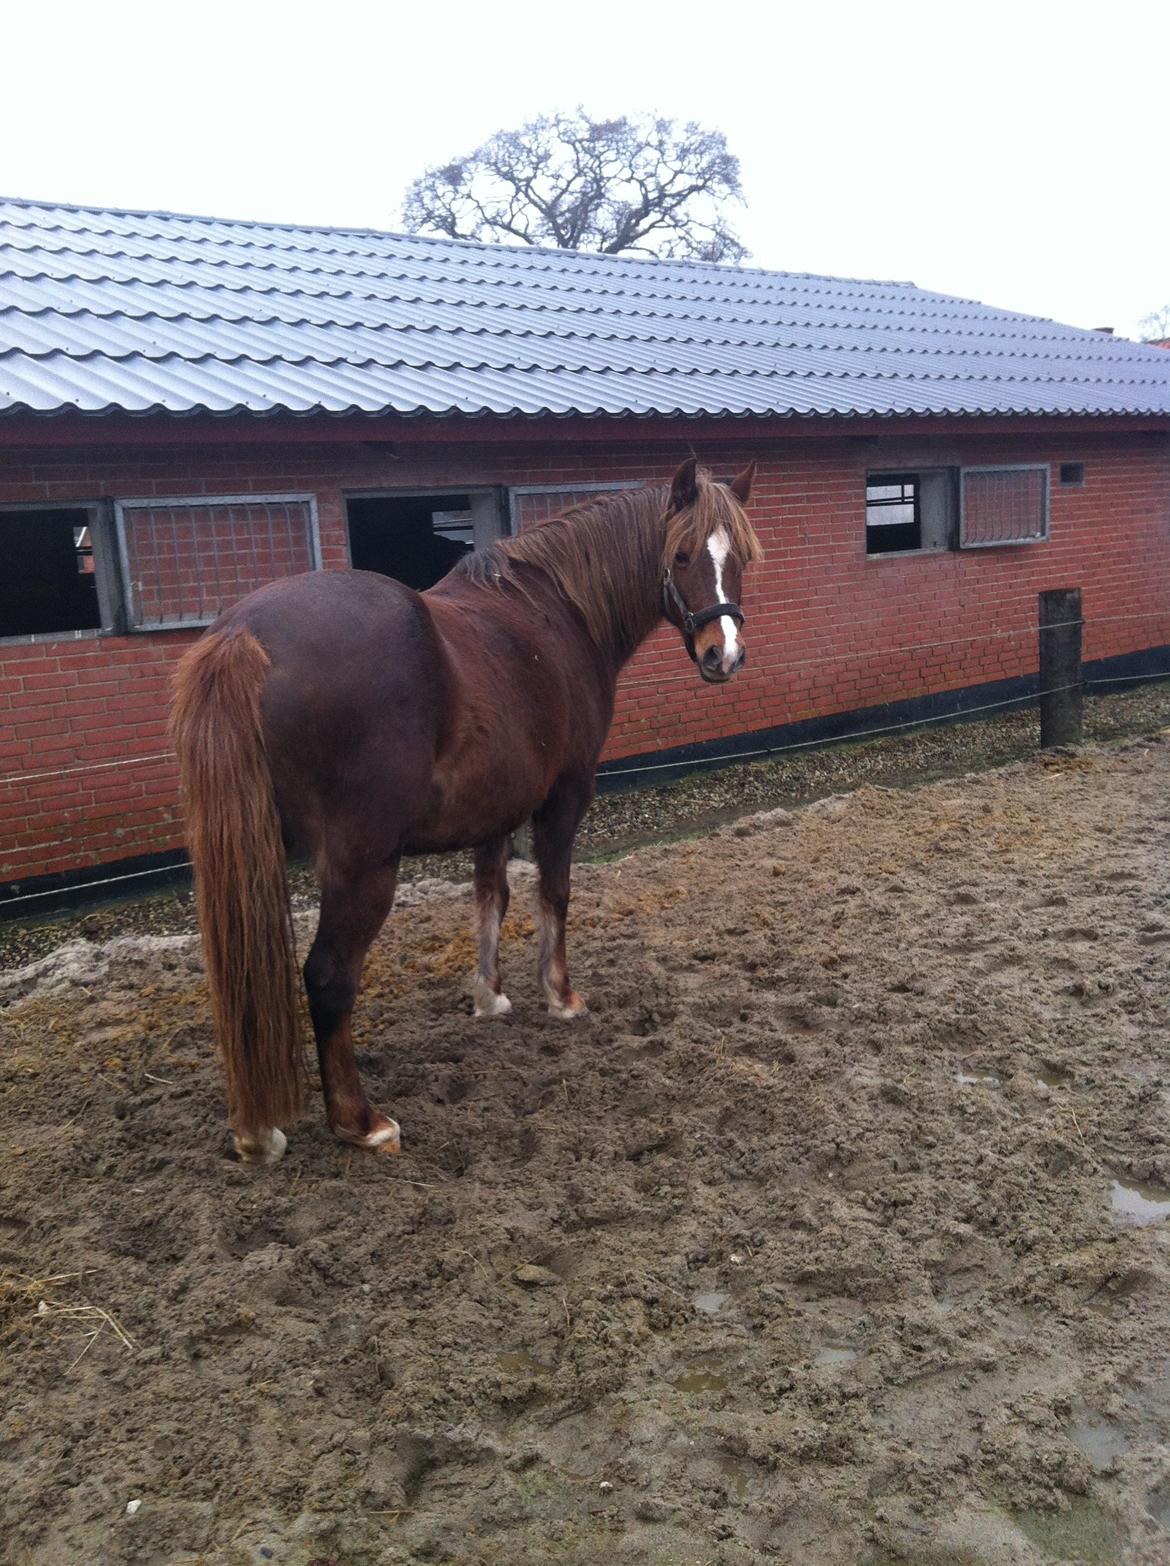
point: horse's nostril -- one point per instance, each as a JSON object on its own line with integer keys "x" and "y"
{"x": 740, "y": 661}
{"x": 713, "y": 657}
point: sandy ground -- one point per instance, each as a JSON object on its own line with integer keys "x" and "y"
{"x": 801, "y": 1247}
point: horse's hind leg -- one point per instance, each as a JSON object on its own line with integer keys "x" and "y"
{"x": 491, "y": 904}
{"x": 553, "y": 829}
{"x": 353, "y": 910}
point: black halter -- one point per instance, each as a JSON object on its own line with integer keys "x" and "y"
{"x": 689, "y": 623}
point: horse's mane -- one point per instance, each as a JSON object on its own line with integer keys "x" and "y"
{"x": 606, "y": 556}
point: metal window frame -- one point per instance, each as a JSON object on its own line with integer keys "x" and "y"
{"x": 591, "y": 488}
{"x": 161, "y": 502}
{"x": 107, "y": 574}
{"x": 936, "y": 499}
{"x": 1005, "y": 467}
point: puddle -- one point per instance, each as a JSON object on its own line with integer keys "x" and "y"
{"x": 1139, "y": 1202}
{"x": 1083, "y": 1532}
{"x": 711, "y": 1304}
{"x": 1158, "y": 1507}
{"x": 517, "y": 1362}
{"x": 835, "y": 1354}
{"x": 1115, "y": 1290}
{"x": 975, "y": 1079}
{"x": 1099, "y": 1439}
{"x": 1053, "y": 1077}
{"x": 733, "y": 1472}
{"x": 700, "y": 1378}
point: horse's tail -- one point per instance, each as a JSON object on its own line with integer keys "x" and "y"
{"x": 233, "y": 830}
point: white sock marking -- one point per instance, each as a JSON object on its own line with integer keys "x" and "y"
{"x": 263, "y": 1147}
{"x": 488, "y": 1003}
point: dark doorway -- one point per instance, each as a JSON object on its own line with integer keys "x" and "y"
{"x": 416, "y": 539}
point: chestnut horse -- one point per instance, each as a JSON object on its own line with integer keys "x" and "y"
{"x": 344, "y": 715}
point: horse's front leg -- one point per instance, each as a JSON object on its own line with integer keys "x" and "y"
{"x": 553, "y": 829}
{"x": 491, "y": 904}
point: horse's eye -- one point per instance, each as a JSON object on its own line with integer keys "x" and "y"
{"x": 682, "y": 558}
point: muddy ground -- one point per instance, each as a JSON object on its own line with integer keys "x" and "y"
{"x": 801, "y": 1247}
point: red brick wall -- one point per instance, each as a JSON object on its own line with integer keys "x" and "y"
{"x": 822, "y": 617}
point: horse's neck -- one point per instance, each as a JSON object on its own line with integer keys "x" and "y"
{"x": 646, "y": 624}
{"x": 636, "y": 604}
{"x": 614, "y": 588}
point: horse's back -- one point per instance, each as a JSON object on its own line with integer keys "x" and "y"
{"x": 340, "y": 608}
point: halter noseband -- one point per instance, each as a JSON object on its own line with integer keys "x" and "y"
{"x": 689, "y": 623}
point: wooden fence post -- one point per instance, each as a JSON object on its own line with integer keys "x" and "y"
{"x": 1061, "y": 711}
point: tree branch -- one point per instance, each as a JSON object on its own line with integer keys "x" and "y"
{"x": 567, "y": 180}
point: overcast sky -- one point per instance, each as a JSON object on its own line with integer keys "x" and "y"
{"x": 1013, "y": 153}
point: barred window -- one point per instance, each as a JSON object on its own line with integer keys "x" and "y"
{"x": 1007, "y": 505}
{"x": 187, "y": 560}
{"x": 531, "y": 504}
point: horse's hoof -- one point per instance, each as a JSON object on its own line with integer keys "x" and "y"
{"x": 489, "y": 1004}
{"x": 384, "y": 1138}
{"x": 573, "y": 1006}
{"x": 262, "y": 1147}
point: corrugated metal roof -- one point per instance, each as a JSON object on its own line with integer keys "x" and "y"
{"x": 139, "y": 312}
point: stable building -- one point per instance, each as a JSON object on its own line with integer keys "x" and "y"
{"x": 190, "y": 407}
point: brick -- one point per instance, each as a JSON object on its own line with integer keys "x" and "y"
{"x": 815, "y": 598}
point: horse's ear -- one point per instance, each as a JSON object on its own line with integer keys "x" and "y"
{"x": 741, "y": 484}
{"x": 683, "y": 488}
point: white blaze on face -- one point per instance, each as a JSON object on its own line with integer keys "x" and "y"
{"x": 718, "y": 547}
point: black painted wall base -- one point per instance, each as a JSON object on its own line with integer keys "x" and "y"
{"x": 616, "y": 776}
{"x": 147, "y": 872}
{"x": 103, "y": 883}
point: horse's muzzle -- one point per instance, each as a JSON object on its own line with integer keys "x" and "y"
{"x": 713, "y": 668}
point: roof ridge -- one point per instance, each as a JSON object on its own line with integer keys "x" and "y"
{"x": 440, "y": 239}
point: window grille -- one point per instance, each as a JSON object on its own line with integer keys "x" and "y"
{"x": 531, "y": 504}
{"x": 184, "y": 561}
{"x": 1003, "y": 506}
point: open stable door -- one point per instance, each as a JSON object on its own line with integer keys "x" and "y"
{"x": 417, "y": 538}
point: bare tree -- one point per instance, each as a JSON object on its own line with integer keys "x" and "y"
{"x": 566, "y": 180}
{"x": 1155, "y": 327}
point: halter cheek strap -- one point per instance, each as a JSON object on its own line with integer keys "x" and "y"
{"x": 689, "y": 623}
